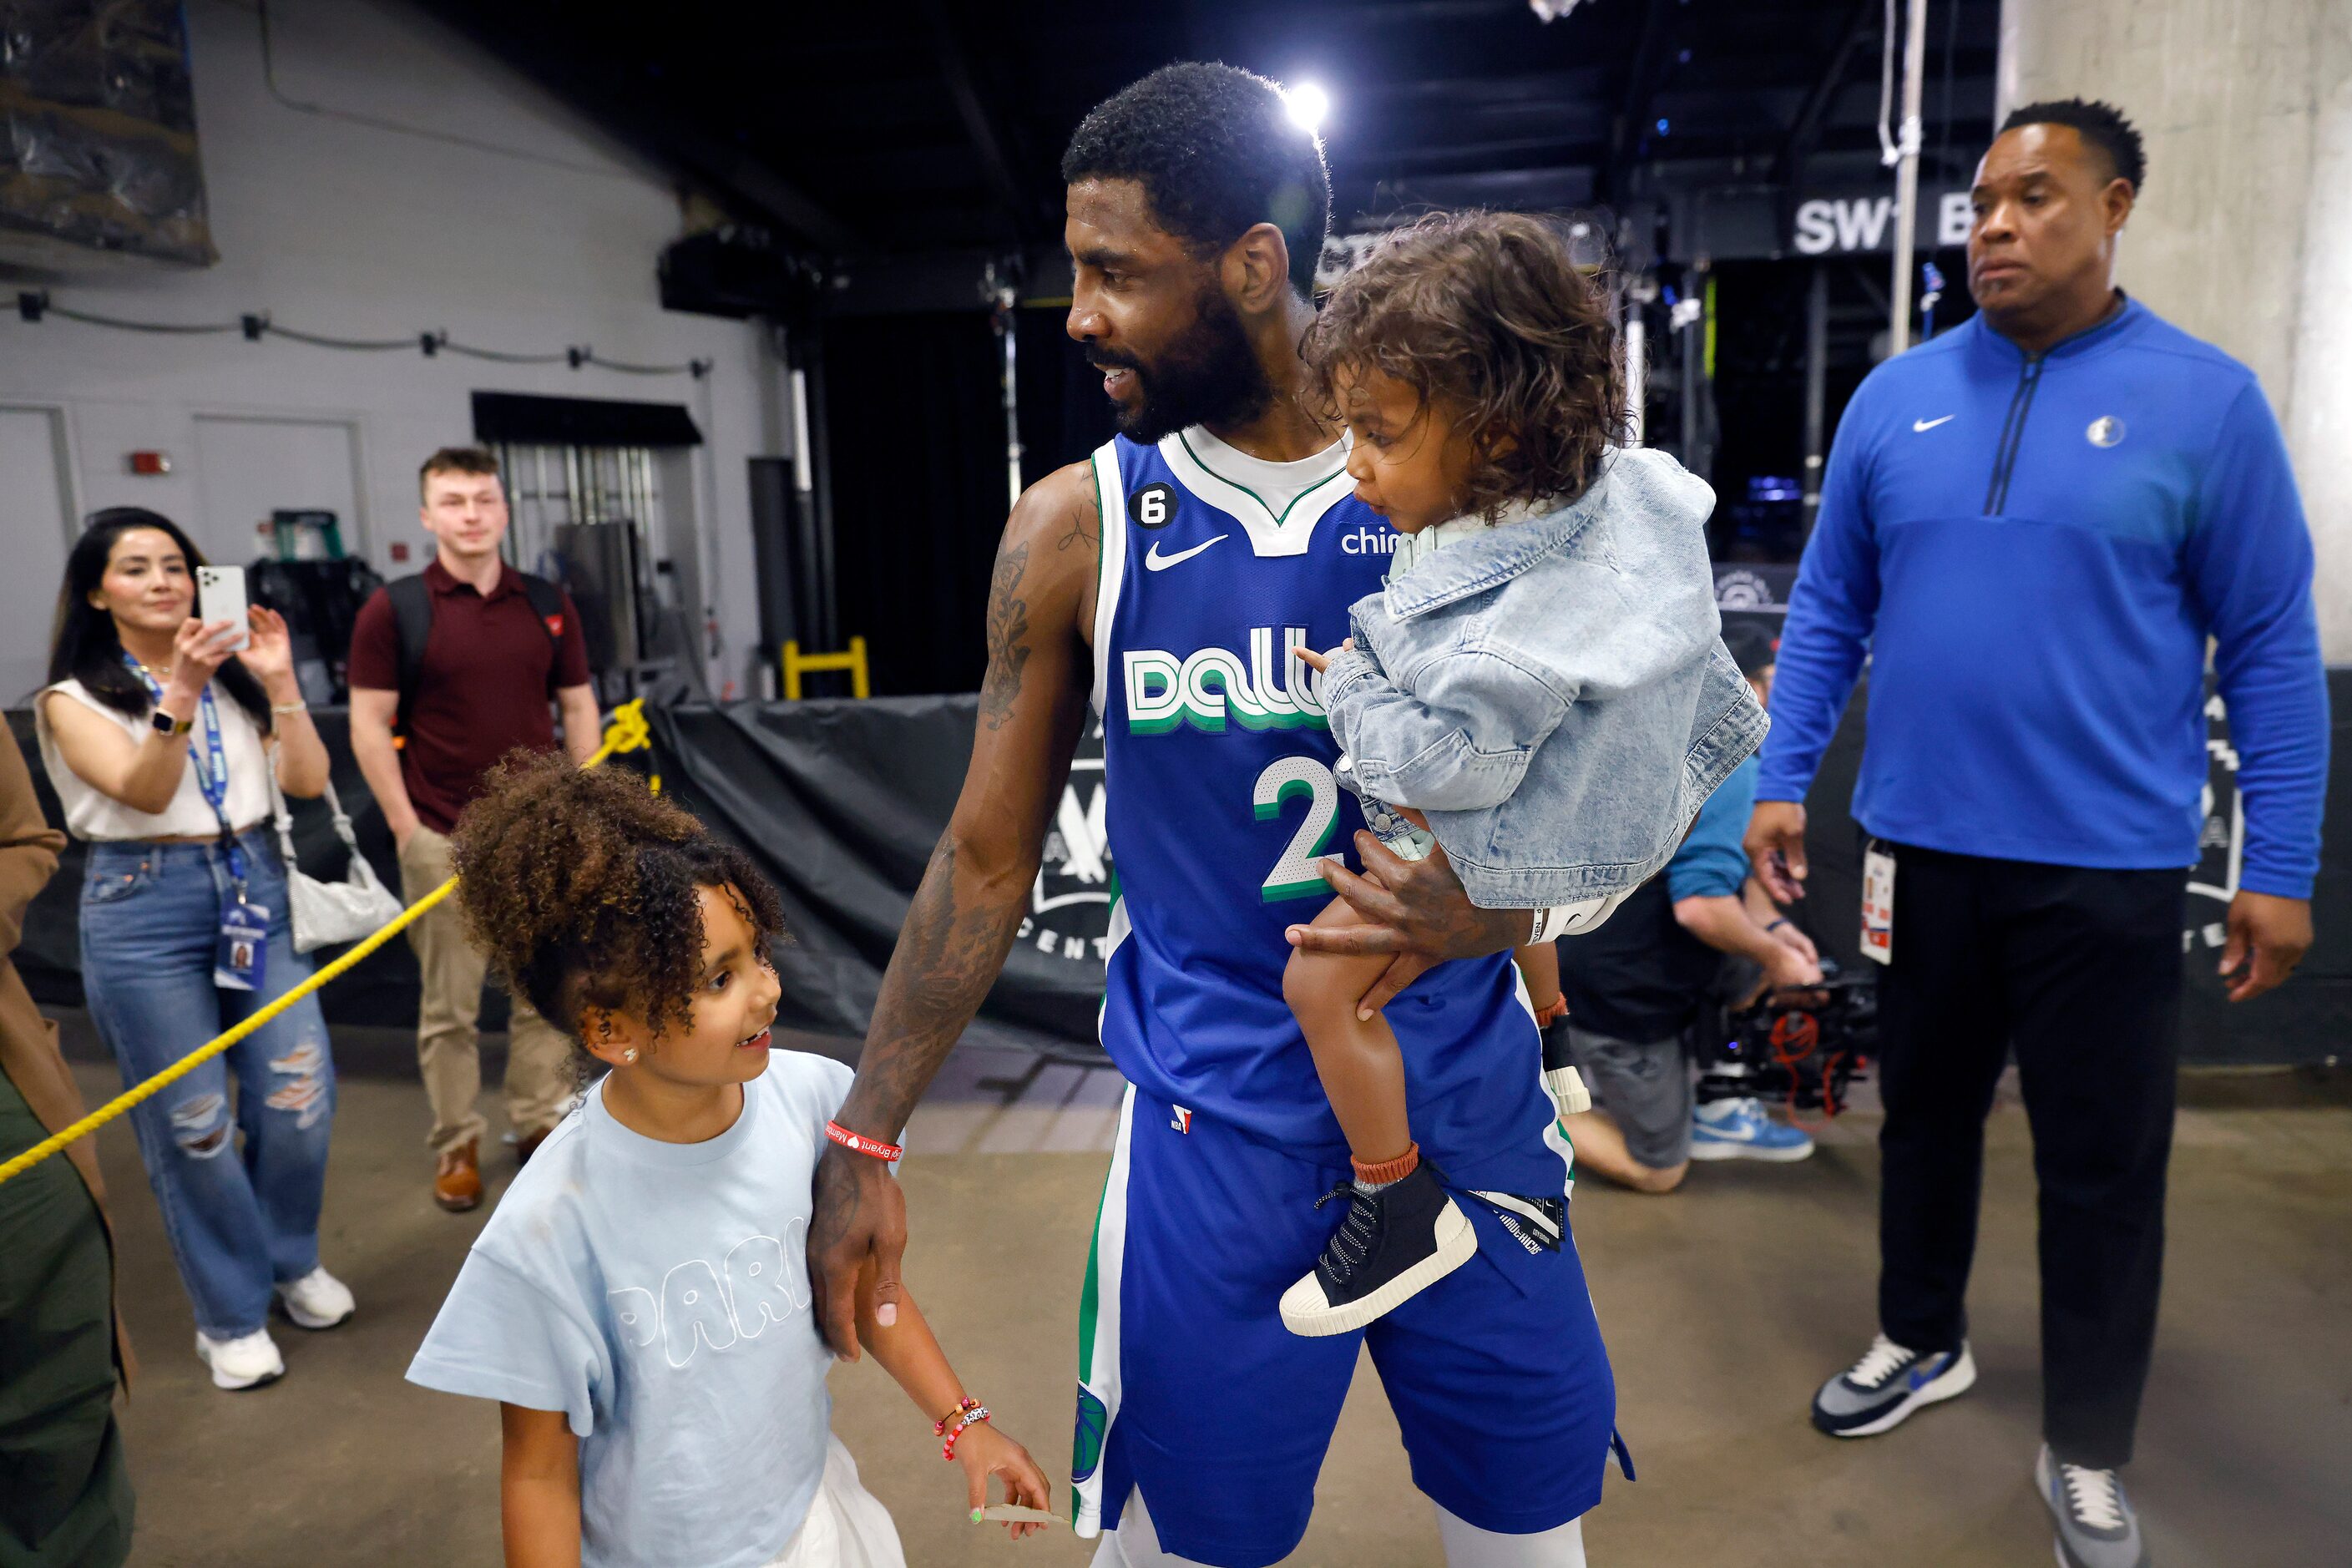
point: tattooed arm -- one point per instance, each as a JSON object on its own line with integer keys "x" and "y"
{"x": 1031, "y": 709}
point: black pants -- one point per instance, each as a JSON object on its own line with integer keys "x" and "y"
{"x": 2079, "y": 971}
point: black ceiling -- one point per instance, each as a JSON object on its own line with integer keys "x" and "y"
{"x": 858, "y": 128}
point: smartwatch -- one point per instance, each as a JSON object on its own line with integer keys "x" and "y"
{"x": 167, "y": 725}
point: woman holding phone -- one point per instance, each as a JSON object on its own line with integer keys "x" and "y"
{"x": 155, "y": 734}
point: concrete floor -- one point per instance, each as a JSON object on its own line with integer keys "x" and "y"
{"x": 1724, "y": 1306}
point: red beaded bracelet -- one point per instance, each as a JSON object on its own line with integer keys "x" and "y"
{"x": 968, "y": 1414}
{"x": 861, "y": 1144}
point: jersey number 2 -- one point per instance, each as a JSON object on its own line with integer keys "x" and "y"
{"x": 1295, "y": 876}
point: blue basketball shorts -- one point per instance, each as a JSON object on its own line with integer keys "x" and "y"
{"x": 1191, "y": 1389}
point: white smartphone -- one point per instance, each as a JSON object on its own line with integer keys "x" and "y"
{"x": 220, "y": 596}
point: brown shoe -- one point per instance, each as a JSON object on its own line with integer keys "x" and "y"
{"x": 457, "y": 1180}
{"x": 527, "y": 1145}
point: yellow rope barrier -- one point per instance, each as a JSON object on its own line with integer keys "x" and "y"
{"x": 627, "y": 733}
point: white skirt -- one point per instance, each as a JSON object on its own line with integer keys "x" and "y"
{"x": 847, "y": 1526}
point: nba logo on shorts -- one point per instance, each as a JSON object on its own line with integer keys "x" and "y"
{"x": 1182, "y": 1122}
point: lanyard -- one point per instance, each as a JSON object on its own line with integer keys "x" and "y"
{"x": 212, "y": 772}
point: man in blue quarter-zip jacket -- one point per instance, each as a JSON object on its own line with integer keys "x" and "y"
{"x": 2031, "y": 526}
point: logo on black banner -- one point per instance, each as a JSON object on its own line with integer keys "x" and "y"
{"x": 1153, "y": 506}
{"x": 2222, "y": 840}
{"x": 1069, "y": 906}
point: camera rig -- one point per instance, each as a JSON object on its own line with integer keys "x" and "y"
{"x": 1802, "y": 1047}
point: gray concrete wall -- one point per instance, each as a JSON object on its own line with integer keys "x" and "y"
{"x": 2243, "y": 234}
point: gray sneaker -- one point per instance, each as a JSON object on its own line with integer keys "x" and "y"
{"x": 1886, "y": 1384}
{"x": 2096, "y": 1526}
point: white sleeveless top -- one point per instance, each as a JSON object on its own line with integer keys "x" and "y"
{"x": 98, "y": 817}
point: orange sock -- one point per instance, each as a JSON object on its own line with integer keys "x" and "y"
{"x": 1387, "y": 1171}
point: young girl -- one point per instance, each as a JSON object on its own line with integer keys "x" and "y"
{"x": 1540, "y": 689}
{"x": 639, "y": 1304}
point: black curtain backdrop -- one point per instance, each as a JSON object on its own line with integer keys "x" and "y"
{"x": 1064, "y": 413}
{"x": 841, "y": 803}
{"x": 915, "y": 422}
{"x": 916, "y": 431}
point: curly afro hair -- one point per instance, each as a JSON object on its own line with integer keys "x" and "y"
{"x": 1216, "y": 153}
{"x": 1487, "y": 311}
{"x": 580, "y": 884}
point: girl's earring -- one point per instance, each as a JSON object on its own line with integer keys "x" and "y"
{"x": 630, "y": 1055}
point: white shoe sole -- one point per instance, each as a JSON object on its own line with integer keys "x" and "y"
{"x": 1957, "y": 1380}
{"x": 302, "y": 1320}
{"x": 1305, "y": 1312}
{"x": 231, "y": 1382}
{"x": 1725, "y": 1149}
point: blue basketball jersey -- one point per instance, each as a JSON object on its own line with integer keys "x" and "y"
{"x": 1221, "y": 799}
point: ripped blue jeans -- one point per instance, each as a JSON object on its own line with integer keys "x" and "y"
{"x": 239, "y": 1216}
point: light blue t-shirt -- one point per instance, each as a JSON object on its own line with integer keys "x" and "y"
{"x": 658, "y": 1296}
{"x": 1712, "y": 863}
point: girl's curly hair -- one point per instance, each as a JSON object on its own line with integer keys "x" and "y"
{"x": 580, "y": 884}
{"x": 1489, "y": 312}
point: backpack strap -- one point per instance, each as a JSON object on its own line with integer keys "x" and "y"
{"x": 412, "y": 615}
{"x": 547, "y": 603}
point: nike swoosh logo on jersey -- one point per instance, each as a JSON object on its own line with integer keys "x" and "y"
{"x": 1154, "y": 561}
{"x": 1919, "y": 424}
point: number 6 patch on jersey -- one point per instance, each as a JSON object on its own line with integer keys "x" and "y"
{"x": 1153, "y": 506}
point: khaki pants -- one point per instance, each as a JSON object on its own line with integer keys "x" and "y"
{"x": 539, "y": 1076}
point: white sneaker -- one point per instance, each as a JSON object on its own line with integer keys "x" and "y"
{"x": 2097, "y": 1527}
{"x": 316, "y": 1300}
{"x": 247, "y": 1361}
{"x": 1891, "y": 1381}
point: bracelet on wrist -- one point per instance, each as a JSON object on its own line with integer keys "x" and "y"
{"x": 858, "y": 1143}
{"x": 289, "y": 707}
{"x": 1776, "y": 925}
{"x": 967, "y": 1414}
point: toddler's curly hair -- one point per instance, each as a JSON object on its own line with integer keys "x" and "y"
{"x": 580, "y": 884}
{"x": 1489, "y": 312}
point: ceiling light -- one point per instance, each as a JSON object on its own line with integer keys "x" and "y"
{"x": 1308, "y": 104}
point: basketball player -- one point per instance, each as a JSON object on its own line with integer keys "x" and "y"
{"x": 1166, "y": 581}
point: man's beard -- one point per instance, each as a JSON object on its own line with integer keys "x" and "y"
{"x": 1209, "y": 375}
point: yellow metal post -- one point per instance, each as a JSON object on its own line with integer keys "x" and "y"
{"x": 797, "y": 664}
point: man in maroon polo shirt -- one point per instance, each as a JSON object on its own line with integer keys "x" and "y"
{"x": 490, "y": 663}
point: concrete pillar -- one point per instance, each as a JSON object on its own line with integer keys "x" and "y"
{"x": 2244, "y": 236}
{"x": 2319, "y": 408}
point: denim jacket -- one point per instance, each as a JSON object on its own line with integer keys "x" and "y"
{"x": 1554, "y": 694}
